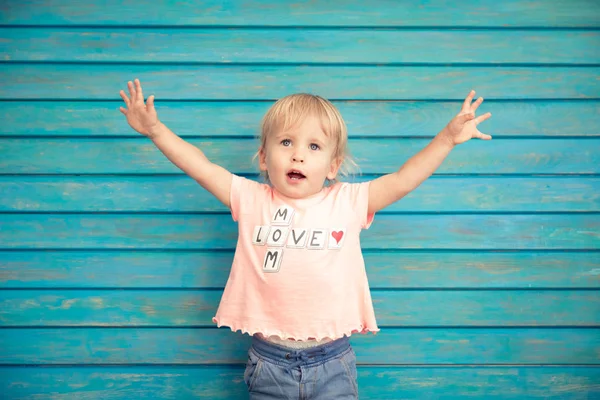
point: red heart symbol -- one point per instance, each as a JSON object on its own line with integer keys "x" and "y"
{"x": 337, "y": 236}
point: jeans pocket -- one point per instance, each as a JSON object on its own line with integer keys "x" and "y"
{"x": 252, "y": 370}
{"x": 348, "y": 361}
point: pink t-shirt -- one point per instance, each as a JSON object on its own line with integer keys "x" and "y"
{"x": 298, "y": 271}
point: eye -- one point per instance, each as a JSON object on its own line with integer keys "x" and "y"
{"x": 286, "y": 142}
{"x": 314, "y": 146}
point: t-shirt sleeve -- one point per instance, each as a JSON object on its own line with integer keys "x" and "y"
{"x": 244, "y": 194}
{"x": 359, "y": 197}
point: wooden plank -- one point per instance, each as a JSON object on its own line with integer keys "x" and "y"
{"x": 374, "y": 156}
{"x": 437, "y": 308}
{"x": 511, "y": 13}
{"x": 363, "y": 118}
{"x": 417, "y": 231}
{"x": 374, "y": 382}
{"x": 207, "y": 269}
{"x": 488, "y": 382}
{"x": 527, "y": 346}
{"x": 182, "y": 194}
{"x": 251, "y": 82}
{"x": 311, "y": 46}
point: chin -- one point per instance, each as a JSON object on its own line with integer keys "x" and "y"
{"x": 294, "y": 192}
{"x": 291, "y": 191}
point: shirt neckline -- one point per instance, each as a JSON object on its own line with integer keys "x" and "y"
{"x": 305, "y": 201}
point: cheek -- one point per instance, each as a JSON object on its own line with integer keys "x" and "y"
{"x": 325, "y": 164}
{"x": 269, "y": 154}
{"x": 273, "y": 159}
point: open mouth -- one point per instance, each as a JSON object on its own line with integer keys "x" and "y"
{"x": 295, "y": 175}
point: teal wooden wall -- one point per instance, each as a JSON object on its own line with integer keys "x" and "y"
{"x": 485, "y": 280}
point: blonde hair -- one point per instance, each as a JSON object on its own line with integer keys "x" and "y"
{"x": 290, "y": 110}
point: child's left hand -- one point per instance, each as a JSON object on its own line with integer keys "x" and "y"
{"x": 464, "y": 126}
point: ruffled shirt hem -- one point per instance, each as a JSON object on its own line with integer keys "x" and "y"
{"x": 361, "y": 329}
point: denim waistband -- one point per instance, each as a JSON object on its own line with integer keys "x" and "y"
{"x": 292, "y": 358}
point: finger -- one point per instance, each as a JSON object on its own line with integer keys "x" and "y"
{"x": 138, "y": 90}
{"x": 482, "y": 118}
{"x": 483, "y": 136}
{"x": 467, "y": 103}
{"x": 477, "y": 103}
{"x": 150, "y": 103}
{"x": 124, "y": 111}
{"x": 124, "y": 97}
{"x": 131, "y": 91}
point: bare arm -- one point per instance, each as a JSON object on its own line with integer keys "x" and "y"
{"x": 187, "y": 157}
{"x": 192, "y": 161}
{"x": 392, "y": 187}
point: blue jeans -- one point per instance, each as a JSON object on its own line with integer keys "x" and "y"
{"x": 323, "y": 372}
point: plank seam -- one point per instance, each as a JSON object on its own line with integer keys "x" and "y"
{"x": 226, "y": 213}
{"x": 574, "y": 28}
{"x": 383, "y": 327}
{"x": 175, "y": 174}
{"x": 373, "y": 289}
{"x": 456, "y": 101}
{"x": 302, "y": 64}
{"x": 359, "y": 364}
{"x": 497, "y": 136}
{"x": 232, "y": 249}
{"x": 270, "y": 100}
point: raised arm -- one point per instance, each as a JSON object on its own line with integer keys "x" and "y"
{"x": 187, "y": 157}
{"x": 392, "y": 187}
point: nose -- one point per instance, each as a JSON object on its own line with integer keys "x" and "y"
{"x": 298, "y": 157}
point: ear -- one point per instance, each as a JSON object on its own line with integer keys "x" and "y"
{"x": 334, "y": 168}
{"x": 262, "y": 159}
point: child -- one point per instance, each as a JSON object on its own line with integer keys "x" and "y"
{"x": 298, "y": 283}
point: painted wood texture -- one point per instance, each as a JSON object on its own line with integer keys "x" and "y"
{"x": 393, "y": 308}
{"x": 410, "y": 347}
{"x": 485, "y": 279}
{"x": 233, "y": 119}
{"x": 223, "y": 382}
{"x": 373, "y": 155}
{"x": 181, "y": 194}
{"x": 404, "y": 13}
{"x": 258, "y": 82}
{"x": 311, "y": 46}
{"x": 197, "y": 269}
{"x": 214, "y": 231}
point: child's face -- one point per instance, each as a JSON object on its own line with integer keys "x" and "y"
{"x": 299, "y": 160}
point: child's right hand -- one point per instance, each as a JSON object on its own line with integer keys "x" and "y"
{"x": 141, "y": 117}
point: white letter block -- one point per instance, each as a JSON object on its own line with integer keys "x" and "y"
{"x": 259, "y": 237}
{"x": 316, "y": 239}
{"x": 283, "y": 216}
{"x": 336, "y": 239}
{"x": 297, "y": 238}
{"x": 277, "y": 236}
{"x": 272, "y": 260}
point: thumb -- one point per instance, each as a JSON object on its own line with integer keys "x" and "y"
{"x": 150, "y": 103}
